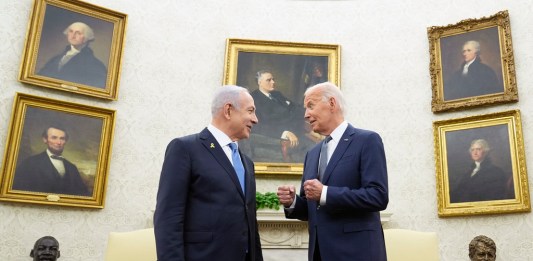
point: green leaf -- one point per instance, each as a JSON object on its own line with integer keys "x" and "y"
{"x": 267, "y": 200}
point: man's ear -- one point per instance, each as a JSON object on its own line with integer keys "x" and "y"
{"x": 58, "y": 254}
{"x": 31, "y": 253}
{"x": 332, "y": 102}
{"x": 227, "y": 110}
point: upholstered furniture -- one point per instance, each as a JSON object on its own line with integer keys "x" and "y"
{"x": 403, "y": 244}
{"x": 138, "y": 245}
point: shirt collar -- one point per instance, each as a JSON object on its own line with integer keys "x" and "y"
{"x": 469, "y": 63}
{"x": 73, "y": 51}
{"x": 336, "y": 135}
{"x": 50, "y": 154}
{"x": 219, "y": 135}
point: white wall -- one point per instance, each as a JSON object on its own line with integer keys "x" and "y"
{"x": 173, "y": 60}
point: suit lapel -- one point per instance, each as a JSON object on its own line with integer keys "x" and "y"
{"x": 248, "y": 170}
{"x": 314, "y": 157}
{"x": 343, "y": 144}
{"x": 211, "y": 144}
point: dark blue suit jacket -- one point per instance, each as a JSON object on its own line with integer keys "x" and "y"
{"x": 201, "y": 212}
{"x": 348, "y": 226}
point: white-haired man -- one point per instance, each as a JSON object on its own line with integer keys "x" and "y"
{"x": 483, "y": 180}
{"x": 474, "y": 78}
{"x": 77, "y": 62}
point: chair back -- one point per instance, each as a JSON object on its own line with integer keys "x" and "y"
{"x": 138, "y": 245}
{"x": 403, "y": 244}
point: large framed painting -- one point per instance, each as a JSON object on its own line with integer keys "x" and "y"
{"x": 277, "y": 75}
{"x": 481, "y": 165}
{"x": 74, "y": 46}
{"x": 57, "y": 153}
{"x": 472, "y": 63}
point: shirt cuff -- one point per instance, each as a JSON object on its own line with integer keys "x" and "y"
{"x": 323, "y": 195}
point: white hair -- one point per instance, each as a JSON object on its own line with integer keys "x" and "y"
{"x": 329, "y": 90}
{"x": 87, "y": 30}
{"x": 481, "y": 142}
{"x": 475, "y": 44}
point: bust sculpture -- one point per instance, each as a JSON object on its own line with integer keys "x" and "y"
{"x": 482, "y": 248}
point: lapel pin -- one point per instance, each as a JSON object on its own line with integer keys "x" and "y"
{"x": 212, "y": 145}
{"x": 345, "y": 139}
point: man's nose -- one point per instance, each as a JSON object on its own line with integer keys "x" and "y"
{"x": 255, "y": 120}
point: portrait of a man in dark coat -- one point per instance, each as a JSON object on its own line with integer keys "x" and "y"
{"x": 483, "y": 180}
{"x": 473, "y": 78}
{"x": 49, "y": 171}
{"x": 77, "y": 62}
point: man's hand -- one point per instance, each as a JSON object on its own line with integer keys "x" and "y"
{"x": 293, "y": 139}
{"x": 286, "y": 194}
{"x": 313, "y": 189}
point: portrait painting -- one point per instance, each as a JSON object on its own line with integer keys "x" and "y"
{"x": 472, "y": 63}
{"x": 57, "y": 153}
{"x": 481, "y": 165}
{"x": 277, "y": 74}
{"x": 72, "y": 49}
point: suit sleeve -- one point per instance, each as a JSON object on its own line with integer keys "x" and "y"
{"x": 300, "y": 207}
{"x": 372, "y": 194}
{"x": 171, "y": 202}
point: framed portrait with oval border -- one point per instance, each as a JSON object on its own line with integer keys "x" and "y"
{"x": 74, "y": 46}
{"x": 481, "y": 165}
{"x": 472, "y": 63}
{"x": 57, "y": 153}
{"x": 292, "y": 68}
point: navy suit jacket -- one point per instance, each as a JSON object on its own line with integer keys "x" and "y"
{"x": 348, "y": 226}
{"x": 201, "y": 212}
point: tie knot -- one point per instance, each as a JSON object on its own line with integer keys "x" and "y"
{"x": 56, "y": 157}
{"x": 327, "y": 139}
{"x": 233, "y": 146}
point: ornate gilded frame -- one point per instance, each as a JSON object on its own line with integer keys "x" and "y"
{"x": 46, "y": 40}
{"x": 445, "y": 48}
{"x": 289, "y": 62}
{"x": 503, "y": 132}
{"x": 88, "y": 147}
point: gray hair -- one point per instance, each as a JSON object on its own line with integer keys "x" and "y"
{"x": 87, "y": 30}
{"x": 475, "y": 44}
{"x": 226, "y": 94}
{"x": 260, "y": 73}
{"x": 484, "y": 144}
{"x": 329, "y": 90}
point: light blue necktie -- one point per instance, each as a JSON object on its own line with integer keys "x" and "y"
{"x": 237, "y": 163}
{"x": 323, "y": 161}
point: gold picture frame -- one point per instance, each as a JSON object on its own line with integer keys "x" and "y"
{"x": 51, "y": 60}
{"x": 79, "y": 135}
{"x": 499, "y": 183}
{"x": 458, "y": 80}
{"x": 295, "y": 67}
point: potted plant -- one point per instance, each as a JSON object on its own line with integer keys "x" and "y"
{"x": 268, "y": 200}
